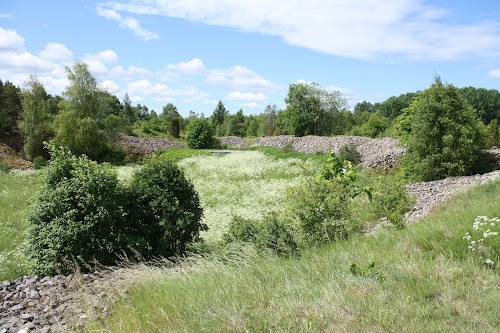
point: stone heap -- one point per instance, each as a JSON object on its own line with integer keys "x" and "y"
{"x": 58, "y": 303}
{"x": 375, "y": 153}
{"x": 147, "y": 145}
{"x": 429, "y": 194}
{"x": 232, "y": 141}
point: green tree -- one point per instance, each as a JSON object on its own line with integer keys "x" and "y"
{"x": 492, "y": 134}
{"x": 80, "y": 125}
{"x": 127, "y": 109}
{"x": 200, "y": 134}
{"x": 268, "y": 121}
{"x": 218, "y": 118}
{"x": 10, "y": 109}
{"x": 36, "y": 119}
{"x": 311, "y": 110}
{"x": 445, "y": 134}
{"x": 485, "y": 101}
{"x": 393, "y": 106}
{"x": 236, "y": 124}
{"x": 172, "y": 119}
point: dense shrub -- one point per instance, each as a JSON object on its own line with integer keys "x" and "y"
{"x": 166, "y": 209}
{"x": 84, "y": 214}
{"x": 200, "y": 134}
{"x": 39, "y": 162}
{"x": 349, "y": 153}
{"x": 77, "y": 218}
{"x": 391, "y": 200}
{"x": 445, "y": 134}
{"x": 4, "y": 167}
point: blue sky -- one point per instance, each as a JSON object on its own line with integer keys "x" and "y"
{"x": 193, "y": 53}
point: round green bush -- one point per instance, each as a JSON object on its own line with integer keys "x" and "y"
{"x": 200, "y": 134}
{"x": 349, "y": 153}
{"x": 167, "y": 212}
{"x": 77, "y": 218}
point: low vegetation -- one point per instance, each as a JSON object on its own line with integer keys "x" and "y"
{"x": 420, "y": 279}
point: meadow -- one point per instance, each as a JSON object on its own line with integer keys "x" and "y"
{"x": 423, "y": 278}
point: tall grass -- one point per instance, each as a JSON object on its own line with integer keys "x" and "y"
{"x": 245, "y": 184}
{"x": 422, "y": 280}
{"x": 17, "y": 191}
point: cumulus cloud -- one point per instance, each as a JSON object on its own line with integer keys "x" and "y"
{"x": 162, "y": 92}
{"x": 97, "y": 62}
{"x": 56, "y": 52}
{"x": 241, "y": 77}
{"x": 252, "y": 105}
{"x": 129, "y": 72}
{"x": 110, "y": 86}
{"x": 376, "y": 29}
{"x": 10, "y": 40}
{"x": 239, "y": 96}
{"x": 193, "y": 66}
{"x": 127, "y": 22}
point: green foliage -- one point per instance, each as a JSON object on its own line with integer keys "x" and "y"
{"x": 218, "y": 118}
{"x": 166, "y": 209}
{"x": 311, "y": 110}
{"x": 368, "y": 272}
{"x": 39, "y": 162}
{"x": 391, "y": 200}
{"x": 10, "y": 108}
{"x": 486, "y": 102}
{"x": 445, "y": 135}
{"x": 349, "y": 153}
{"x": 200, "y": 134}
{"x": 492, "y": 134}
{"x": 376, "y": 125}
{"x": 36, "y": 119}
{"x": 80, "y": 126}
{"x": 77, "y": 218}
{"x": 271, "y": 233}
{"x": 84, "y": 214}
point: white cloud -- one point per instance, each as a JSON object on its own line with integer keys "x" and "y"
{"x": 110, "y": 86}
{"x": 162, "y": 92}
{"x": 251, "y": 105}
{"x": 239, "y": 96}
{"x": 56, "y": 52}
{"x": 193, "y": 66}
{"x": 11, "y": 40}
{"x": 127, "y": 22}
{"x": 241, "y": 77}
{"x": 97, "y": 62}
{"x": 130, "y": 72}
{"x": 494, "y": 73}
{"x": 377, "y": 29}
{"x": 5, "y": 15}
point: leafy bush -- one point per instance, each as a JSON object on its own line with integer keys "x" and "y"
{"x": 391, "y": 200}
{"x": 445, "y": 134}
{"x": 83, "y": 214}
{"x": 77, "y": 218}
{"x": 349, "y": 153}
{"x": 200, "y": 134}
{"x": 166, "y": 209}
{"x": 39, "y": 162}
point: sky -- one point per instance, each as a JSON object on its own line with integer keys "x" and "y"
{"x": 193, "y": 53}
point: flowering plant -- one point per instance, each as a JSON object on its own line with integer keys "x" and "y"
{"x": 482, "y": 240}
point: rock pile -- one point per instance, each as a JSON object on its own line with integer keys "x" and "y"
{"x": 375, "y": 153}
{"x": 232, "y": 141}
{"x": 59, "y": 303}
{"x": 9, "y": 157}
{"x": 429, "y": 194}
{"x": 147, "y": 145}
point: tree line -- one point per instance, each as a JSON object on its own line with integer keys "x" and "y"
{"x": 87, "y": 118}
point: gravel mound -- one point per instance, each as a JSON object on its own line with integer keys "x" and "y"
{"x": 233, "y": 141}
{"x": 375, "y": 153}
{"x": 147, "y": 146}
{"x": 60, "y": 303}
{"x": 429, "y": 194}
{"x": 9, "y": 157}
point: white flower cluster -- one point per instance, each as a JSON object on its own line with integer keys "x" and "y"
{"x": 484, "y": 227}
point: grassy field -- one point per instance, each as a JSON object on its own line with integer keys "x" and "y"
{"x": 17, "y": 191}
{"x": 422, "y": 280}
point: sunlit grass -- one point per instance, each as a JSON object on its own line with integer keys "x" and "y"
{"x": 245, "y": 184}
{"x": 423, "y": 280}
{"x": 17, "y": 192}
